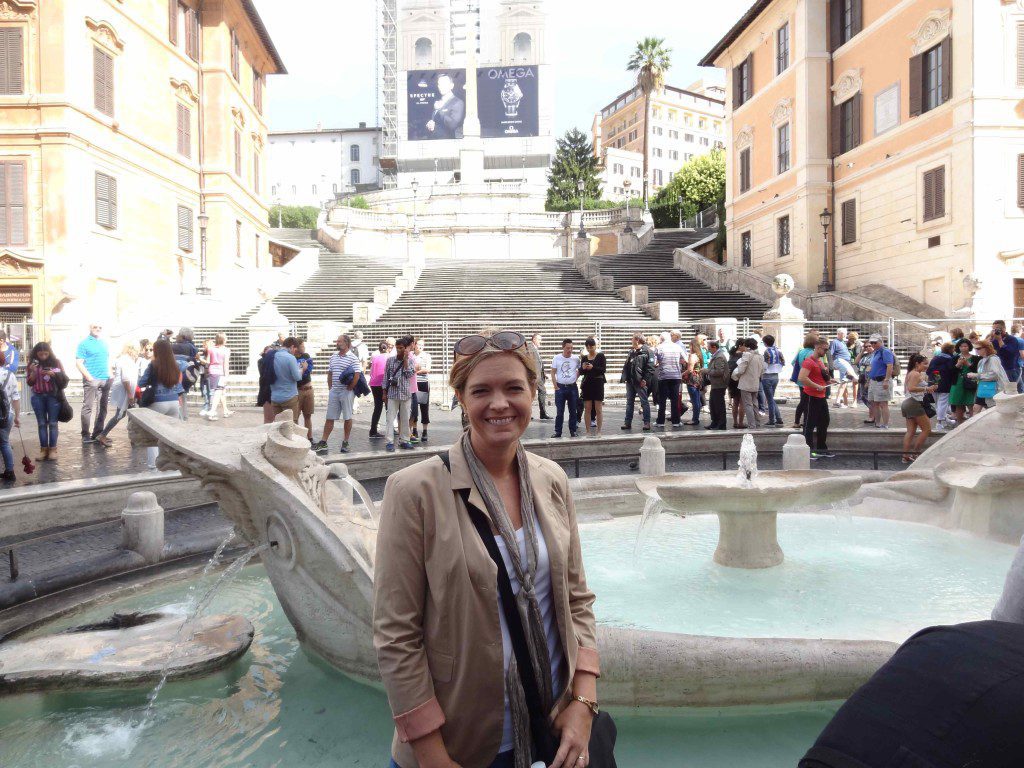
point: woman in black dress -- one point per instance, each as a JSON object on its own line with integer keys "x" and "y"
{"x": 592, "y": 391}
{"x": 734, "y": 387}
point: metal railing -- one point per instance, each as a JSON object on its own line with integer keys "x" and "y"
{"x": 705, "y": 219}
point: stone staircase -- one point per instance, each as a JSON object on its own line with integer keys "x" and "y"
{"x": 653, "y": 267}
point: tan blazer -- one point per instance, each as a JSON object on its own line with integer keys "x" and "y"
{"x": 749, "y": 370}
{"x": 435, "y": 606}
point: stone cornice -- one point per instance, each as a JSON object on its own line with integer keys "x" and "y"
{"x": 13, "y": 263}
{"x": 744, "y": 138}
{"x": 782, "y": 112}
{"x": 239, "y": 114}
{"x": 104, "y": 33}
{"x": 16, "y": 10}
{"x": 847, "y": 85}
{"x": 933, "y": 28}
{"x": 184, "y": 90}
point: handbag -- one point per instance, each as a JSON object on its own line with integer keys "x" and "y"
{"x": 67, "y": 413}
{"x": 148, "y": 395}
{"x": 987, "y": 389}
{"x": 603, "y": 732}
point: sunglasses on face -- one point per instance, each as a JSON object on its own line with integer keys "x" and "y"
{"x": 506, "y": 341}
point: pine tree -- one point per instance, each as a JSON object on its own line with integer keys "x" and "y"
{"x": 574, "y": 160}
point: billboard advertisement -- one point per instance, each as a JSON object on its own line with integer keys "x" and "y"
{"x": 508, "y": 101}
{"x": 437, "y": 103}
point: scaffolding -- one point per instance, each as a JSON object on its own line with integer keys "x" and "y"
{"x": 387, "y": 88}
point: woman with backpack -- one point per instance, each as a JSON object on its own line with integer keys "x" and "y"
{"x": 122, "y": 392}
{"x": 161, "y": 384}
{"x": 46, "y": 378}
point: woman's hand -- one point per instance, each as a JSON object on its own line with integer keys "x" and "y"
{"x": 573, "y": 725}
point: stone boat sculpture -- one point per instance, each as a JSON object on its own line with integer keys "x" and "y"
{"x": 320, "y": 559}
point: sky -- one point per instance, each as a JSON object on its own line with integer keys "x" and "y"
{"x": 328, "y": 47}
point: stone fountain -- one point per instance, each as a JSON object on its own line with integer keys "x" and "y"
{"x": 747, "y": 503}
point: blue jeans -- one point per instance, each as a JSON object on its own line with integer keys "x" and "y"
{"x": 696, "y": 401}
{"x": 566, "y": 394}
{"x": 5, "y": 441}
{"x": 769, "y": 383}
{"x": 503, "y": 760}
{"x": 47, "y": 409}
{"x": 633, "y": 392}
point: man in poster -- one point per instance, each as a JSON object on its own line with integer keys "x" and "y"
{"x": 449, "y": 111}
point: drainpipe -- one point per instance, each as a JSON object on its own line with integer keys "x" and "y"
{"x": 831, "y": 193}
{"x": 202, "y": 289}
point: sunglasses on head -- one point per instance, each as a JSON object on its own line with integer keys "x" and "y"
{"x": 506, "y": 341}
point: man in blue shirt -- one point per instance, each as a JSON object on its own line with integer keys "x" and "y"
{"x": 284, "y": 392}
{"x": 880, "y": 375}
{"x": 1008, "y": 348}
{"x": 92, "y": 358}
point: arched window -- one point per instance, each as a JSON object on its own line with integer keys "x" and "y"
{"x": 354, "y": 176}
{"x": 424, "y": 53}
{"x": 353, "y": 153}
{"x": 522, "y": 47}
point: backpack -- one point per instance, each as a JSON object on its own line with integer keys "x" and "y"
{"x": 5, "y": 401}
{"x": 266, "y": 366}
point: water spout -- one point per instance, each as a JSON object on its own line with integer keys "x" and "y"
{"x": 748, "y": 460}
{"x": 652, "y": 511}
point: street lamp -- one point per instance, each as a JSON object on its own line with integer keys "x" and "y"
{"x": 680, "y": 211}
{"x": 204, "y": 220}
{"x": 415, "y": 229}
{"x": 582, "y": 234}
{"x": 626, "y": 184}
{"x": 826, "y": 286}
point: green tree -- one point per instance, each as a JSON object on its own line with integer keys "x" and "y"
{"x": 651, "y": 60}
{"x": 701, "y": 184}
{"x": 574, "y": 162}
{"x": 294, "y": 216}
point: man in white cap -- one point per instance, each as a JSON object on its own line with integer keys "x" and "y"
{"x": 880, "y": 375}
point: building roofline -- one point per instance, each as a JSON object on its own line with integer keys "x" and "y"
{"x": 304, "y": 131}
{"x": 625, "y": 93}
{"x": 261, "y": 29}
{"x": 737, "y": 29}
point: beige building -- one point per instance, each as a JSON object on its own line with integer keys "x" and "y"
{"x": 904, "y": 120}
{"x": 122, "y": 124}
{"x": 685, "y": 123}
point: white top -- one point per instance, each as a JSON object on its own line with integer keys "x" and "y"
{"x": 547, "y": 612}
{"x": 13, "y": 390}
{"x": 126, "y": 369}
{"x": 566, "y": 368}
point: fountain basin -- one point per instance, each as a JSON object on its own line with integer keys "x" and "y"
{"x": 747, "y": 508}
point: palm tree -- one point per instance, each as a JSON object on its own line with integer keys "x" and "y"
{"x": 651, "y": 60}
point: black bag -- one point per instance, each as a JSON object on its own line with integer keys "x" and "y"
{"x": 148, "y": 396}
{"x": 603, "y": 732}
{"x": 67, "y": 413}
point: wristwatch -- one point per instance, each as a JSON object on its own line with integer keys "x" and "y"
{"x": 591, "y": 705}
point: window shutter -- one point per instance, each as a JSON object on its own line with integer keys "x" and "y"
{"x": 98, "y": 90}
{"x": 749, "y": 64}
{"x": 184, "y": 131}
{"x": 256, "y": 172}
{"x": 238, "y": 154}
{"x": 856, "y": 17}
{"x": 192, "y": 34}
{"x": 4, "y": 212}
{"x": 916, "y": 85}
{"x": 234, "y": 54}
{"x": 16, "y": 202}
{"x": 836, "y": 130}
{"x": 946, "y": 48}
{"x": 12, "y": 65}
{"x": 1020, "y": 181}
{"x": 835, "y": 22}
{"x": 1020, "y": 54}
{"x": 940, "y": 191}
{"x": 103, "y": 216}
{"x": 184, "y": 228}
{"x": 855, "y": 106}
{"x": 172, "y": 21}
{"x": 849, "y": 221}
{"x": 929, "y": 196}
{"x": 737, "y": 86}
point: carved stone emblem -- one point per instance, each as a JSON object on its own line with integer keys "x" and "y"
{"x": 184, "y": 90}
{"x": 16, "y": 10}
{"x": 782, "y": 112}
{"x": 745, "y": 137}
{"x": 934, "y": 27}
{"x": 104, "y": 33}
{"x": 848, "y": 85}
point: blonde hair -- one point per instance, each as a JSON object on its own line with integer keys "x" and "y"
{"x": 131, "y": 350}
{"x": 853, "y": 335}
{"x": 220, "y": 339}
{"x": 463, "y": 367}
{"x": 652, "y": 341}
{"x": 987, "y": 345}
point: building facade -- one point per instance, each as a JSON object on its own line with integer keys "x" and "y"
{"x": 314, "y": 166}
{"x": 903, "y": 120}
{"x": 467, "y": 92}
{"x": 125, "y": 127}
{"x": 685, "y": 123}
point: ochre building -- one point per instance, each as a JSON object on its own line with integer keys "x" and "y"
{"x": 906, "y": 121}
{"x": 124, "y": 127}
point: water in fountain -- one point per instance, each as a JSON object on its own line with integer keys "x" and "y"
{"x": 652, "y": 511}
{"x": 371, "y": 508}
{"x": 748, "y": 460}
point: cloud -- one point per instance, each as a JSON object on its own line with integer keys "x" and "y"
{"x": 329, "y": 49}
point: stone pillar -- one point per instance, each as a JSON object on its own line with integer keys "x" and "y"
{"x": 652, "y": 457}
{"x": 263, "y": 329}
{"x": 785, "y": 320}
{"x": 796, "y": 454}
{"x": 142, "y": 526}
{"x": 580, "y": 250}
{"x": 416, "y": 251}
{"x": 629, "y": 242}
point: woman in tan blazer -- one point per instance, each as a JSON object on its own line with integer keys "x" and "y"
{"x": 439, "y": 628}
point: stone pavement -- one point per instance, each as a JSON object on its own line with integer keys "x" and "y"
{"x": 78, "y": 460}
